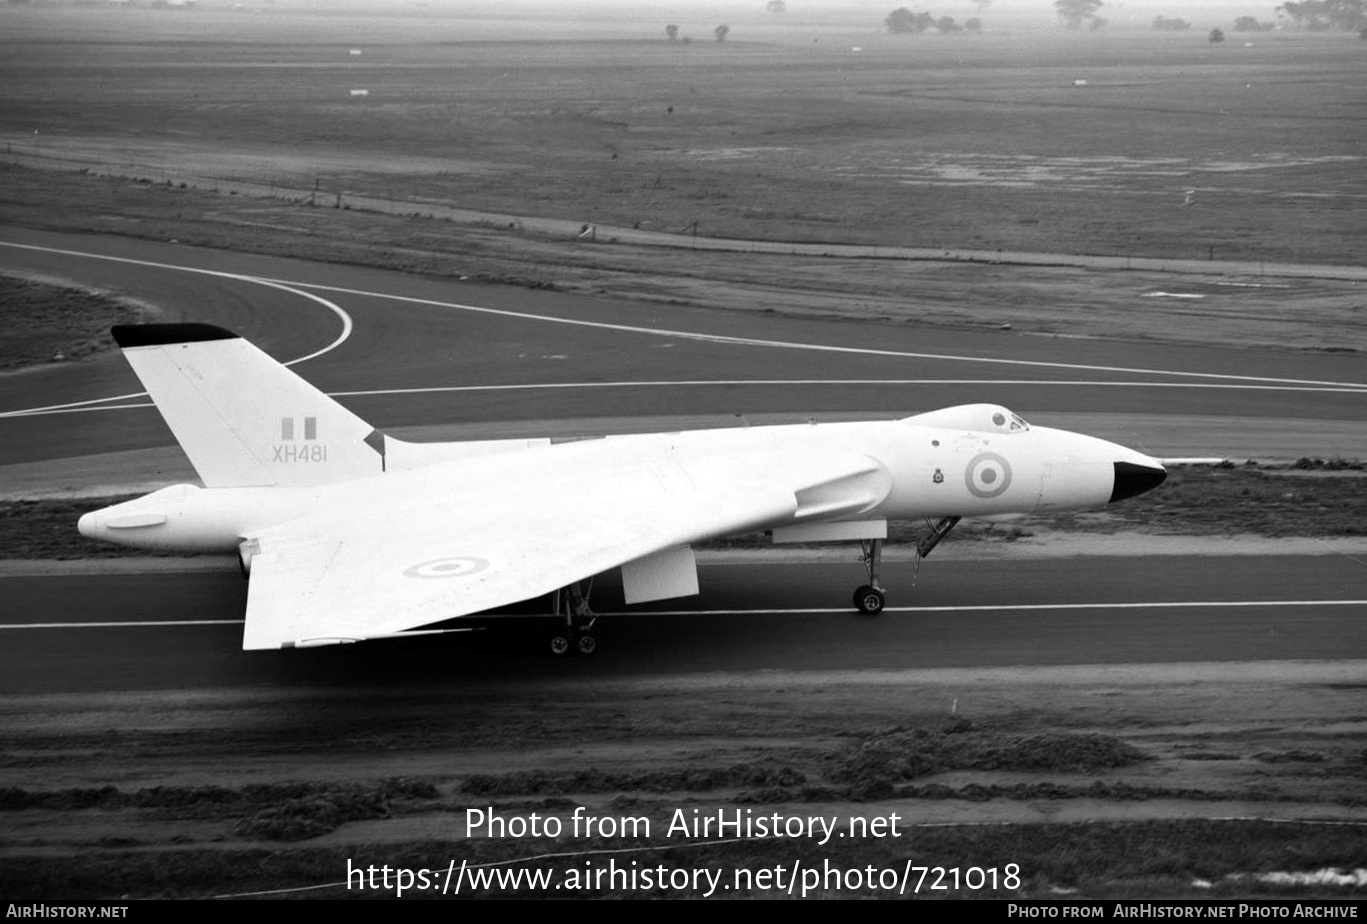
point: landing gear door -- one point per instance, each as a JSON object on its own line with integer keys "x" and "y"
{"x": 662, "y": 576}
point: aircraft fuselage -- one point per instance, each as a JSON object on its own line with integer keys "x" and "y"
{"x": 916, "y": 470}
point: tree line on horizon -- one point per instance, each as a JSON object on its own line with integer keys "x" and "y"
{"x": 902, "y": 21}
{"x": 1312, "y": 15}
{"x": 1326, "y": 15}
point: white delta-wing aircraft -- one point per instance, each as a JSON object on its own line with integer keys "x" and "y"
{"x": 348, "y": 534}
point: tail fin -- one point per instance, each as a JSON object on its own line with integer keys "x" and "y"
{"x": 243, "y": 418}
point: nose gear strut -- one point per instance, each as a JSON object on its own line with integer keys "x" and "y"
{"x": 870, "y": 598}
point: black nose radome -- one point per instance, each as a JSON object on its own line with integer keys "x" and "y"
{"x": 1132, "y": 479}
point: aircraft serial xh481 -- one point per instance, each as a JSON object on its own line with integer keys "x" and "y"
{"x": 348, "y": 534}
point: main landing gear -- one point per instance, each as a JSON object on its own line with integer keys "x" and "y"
{"x": 870, "y": 598}
{"x": 572, "y": 604}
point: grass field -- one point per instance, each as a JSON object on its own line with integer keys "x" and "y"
{"x": 45, "y": 321}
{"x": 237, "y": 124}
{"x": 1173, "y": 149}
{"x": 981, "y": 143}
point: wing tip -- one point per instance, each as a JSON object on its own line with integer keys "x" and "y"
{"x": 140, "y": 335}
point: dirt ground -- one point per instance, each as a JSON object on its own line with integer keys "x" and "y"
{"x": 205, "y": 772}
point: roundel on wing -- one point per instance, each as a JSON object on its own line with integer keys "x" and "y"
{"x": 455, "y": 566}
{"x": 988, "y": 475}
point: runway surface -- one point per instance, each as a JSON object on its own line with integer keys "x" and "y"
{"x": 418, "y": 355}
{"x": 78, "y": 633}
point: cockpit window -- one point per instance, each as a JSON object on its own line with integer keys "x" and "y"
{"x": 1009, "y": 422}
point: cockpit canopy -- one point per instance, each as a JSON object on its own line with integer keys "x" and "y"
{"x": 989, "y": 418}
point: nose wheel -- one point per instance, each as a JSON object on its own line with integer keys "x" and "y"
{"x": 869, "y": 600}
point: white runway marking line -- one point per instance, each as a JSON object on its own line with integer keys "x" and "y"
{"x": 688, "y": 335}
{"x": 798, "y": 611}
{"x": 1011, "y": 607}
{"x": 138, "y": 624}
{"x": 687, "y": 383}
{"x": 99, "y": 405}
{"x": 347, "y": 325}
{"x": 818, "y": 347}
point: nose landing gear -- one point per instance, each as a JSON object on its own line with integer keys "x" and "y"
{"x": 870, "y": 598}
